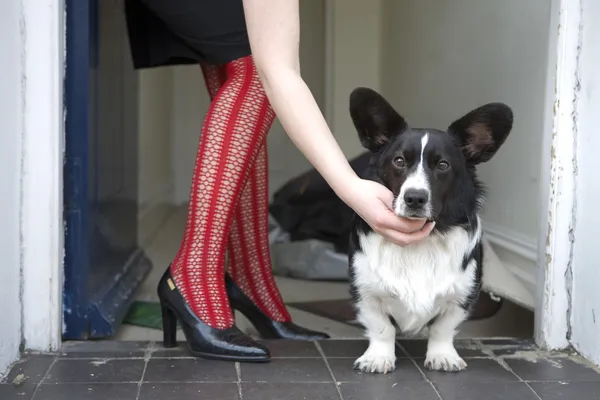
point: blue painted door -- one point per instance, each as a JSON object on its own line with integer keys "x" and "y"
{"x": 103, "y": 264}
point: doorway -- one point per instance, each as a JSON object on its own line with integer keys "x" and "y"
{"x": 131, "y": 139}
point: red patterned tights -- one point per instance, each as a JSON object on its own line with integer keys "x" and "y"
{"x": 229, "y": 199}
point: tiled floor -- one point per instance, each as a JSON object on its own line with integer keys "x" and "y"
{"x": 497, "y": 369}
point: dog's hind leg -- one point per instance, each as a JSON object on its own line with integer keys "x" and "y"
{"x": 380, "y": 356}
{"x": 441, "y": 354}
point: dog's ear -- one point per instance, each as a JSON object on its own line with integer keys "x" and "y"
{"x": 374, "y": 118}
{"x": 482, "y": 131}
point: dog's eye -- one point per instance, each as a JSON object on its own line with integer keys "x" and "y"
{"x": 443, "y": 165}
{"x": 399, "y": 162}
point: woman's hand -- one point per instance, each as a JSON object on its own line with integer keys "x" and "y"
{"x": 373, "y": 202}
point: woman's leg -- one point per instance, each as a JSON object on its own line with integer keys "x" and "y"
{"x": 248, "y": 246}
{"x": 234, "y": 129}
{"x": 249, "y": 250}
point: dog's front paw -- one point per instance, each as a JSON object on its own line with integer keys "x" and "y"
{"x": 378, "y": 363}
{"x": 445, "y": 359}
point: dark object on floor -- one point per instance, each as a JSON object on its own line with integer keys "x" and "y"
{"x": 229, "y": 344}
{"x": 307, "y": 208}
{"x": 337, "y": 310}
{"x": 266, "y": 327}
{"x": 343, "y": 311}
{"x": 118, "y": 370}
{"x": 485, "y": 307}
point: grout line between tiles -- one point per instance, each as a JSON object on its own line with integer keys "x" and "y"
{"x": 533, "y": 391}
{"x": 398, "y": 345}
{"x": 147, "y": 357}
{"x": 137, "y": 382}
{"x": 101, "y": 358}
{"x": 295, "y": 382}
{"x": 426, "y": 378}
{"x": 90, "y": 383}
{"x": 496, "y": 358}
{"x": 238, "y": 372}
{"x": 37, "y": 387}
{"x": 337, "y": 386}
{"x": 272, "y": 358}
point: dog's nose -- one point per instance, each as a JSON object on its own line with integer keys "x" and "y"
{"x": 416, "y": 198}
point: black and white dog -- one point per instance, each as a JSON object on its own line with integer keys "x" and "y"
{"x": 434, "y": 282}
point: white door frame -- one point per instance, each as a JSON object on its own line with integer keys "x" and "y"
{"x": 558, "y": 174}
{"x": 42, "y": 234}
{"x": 41, "y": 213}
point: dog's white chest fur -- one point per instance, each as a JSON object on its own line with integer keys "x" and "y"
{"x": 413, "y": 284}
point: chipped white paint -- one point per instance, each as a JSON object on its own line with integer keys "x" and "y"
{"x": 585, "y": 299}
{"x": 558, "y": 177}
{"x": 41, "y": 207}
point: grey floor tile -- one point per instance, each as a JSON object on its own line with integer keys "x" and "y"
{"x": 31, "y": 368}
{"x": 89, "y": 371}
{"x": 343, "y": 348}
{"x": 292, "y": 349}
{"x": 388, "y": 391}
{"x": 109, "y": 391}
{"x": 182, "y": 350}
{"x": 405, "y": 371}
{"x": 104, "y": 349}
{"x": 289, "y": 391}
{"x": 287, "y": 370}
{"x": 418, "y": 348}
{"x": 349, "y": 348}
{"x": 190, "y": 391}
{"x": 567, "y": 390}
{"x": 22, "y": 392}
{"x": 489, "y": 391}
{"x": 478, "y": 370}
{"x": 556, "y": 369}
{"x": 189, "y": 370}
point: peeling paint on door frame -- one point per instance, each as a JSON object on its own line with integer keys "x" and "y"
{"x": 559, "y": 170}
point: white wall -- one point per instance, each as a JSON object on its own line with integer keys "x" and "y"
{"x": 442, "y": 59}
{"x": 155, "y": 179}
{"x": 11, "y": 96}
{"x": 356, "y": 61}
{"x": 190, "y": 103}
{"x": 585, "y": 300}
{"x": 134, "y": 102}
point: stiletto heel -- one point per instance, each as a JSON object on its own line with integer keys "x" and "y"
{"x": 267, "y": 327}
{"x": 229, "y": 344}
{"x": 169, "y": 328}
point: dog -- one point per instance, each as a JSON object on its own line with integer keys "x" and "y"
{"x": 432, "y": 283}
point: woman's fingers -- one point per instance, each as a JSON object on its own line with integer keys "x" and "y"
{"x": 388, "y": 220}
{"x": 404, "y": 239}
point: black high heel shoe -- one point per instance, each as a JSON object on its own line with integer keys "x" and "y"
{"x": 229, "y": 344}
{"x": 267, "y": 328}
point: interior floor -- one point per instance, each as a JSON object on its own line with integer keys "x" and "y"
{"x": 497, "y": 369}
{"x": 162, "y": 232}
